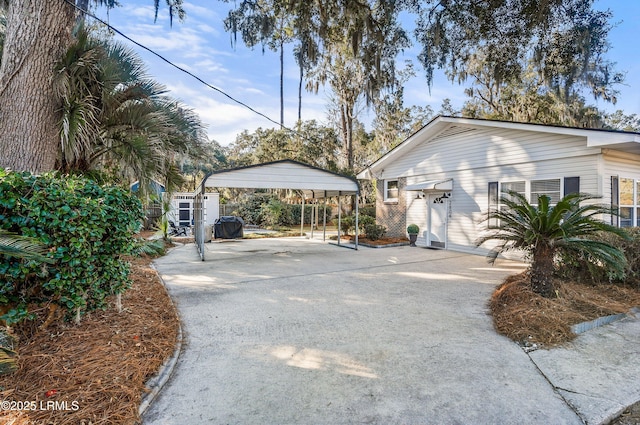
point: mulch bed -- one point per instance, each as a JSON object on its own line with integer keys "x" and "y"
{"x": 95, "y": 372}
{"x": 528, "y": 318}
{"x": 377, "y": 242}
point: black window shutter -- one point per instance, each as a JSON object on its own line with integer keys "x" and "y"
{"x": 493, "y": 203}
{"x": 571, "y": 185}
{"x": 615, "y": 201}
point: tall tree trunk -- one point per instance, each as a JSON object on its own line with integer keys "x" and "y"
{"x": 282, "y": 82}
{"x": 344, "y": 131}
{"x": 542, "y": 268}
{"x": 38, "y": 32}
{"x": 300, "y": 89}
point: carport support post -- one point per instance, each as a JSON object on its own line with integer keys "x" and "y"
{"x": 302, "y": 217}
{"x": 357, "y": 221}
{"x": 312, "y": 212}
{"x": 339, "y": 214}
{"x": 198, "y": 213}
{"x": 324, "y": 217}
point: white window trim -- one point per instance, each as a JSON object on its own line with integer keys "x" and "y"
{"x": 635, "y": 206}
{"x": 535, "y": 202}
{"x": 527, "y": 186}
{"x": 386, "y": 190}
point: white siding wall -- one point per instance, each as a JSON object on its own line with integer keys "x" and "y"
{"x": 485, "y": 147}
{"x": 614, "y": 165}
{"x": 211, "y": 206}
{"x": 477, "y": 157}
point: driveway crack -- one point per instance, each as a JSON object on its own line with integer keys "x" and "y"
{"x": 558, "y": 393}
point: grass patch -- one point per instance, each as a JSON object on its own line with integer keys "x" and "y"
{"x": 272, "y": 234}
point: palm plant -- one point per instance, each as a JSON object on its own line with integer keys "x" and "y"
{"x": 17, "y": 246}
{"x": 546, "y": 230}
{"x": 116, "y": 118}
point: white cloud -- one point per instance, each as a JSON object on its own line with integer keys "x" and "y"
{"x": 201, "y": 12}
{"x": 181, "y": 40}
{"x": 209, "y": 65}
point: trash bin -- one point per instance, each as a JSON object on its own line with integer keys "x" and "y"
{"x": 208, "y": 232}
{"x": 228, "y": 227}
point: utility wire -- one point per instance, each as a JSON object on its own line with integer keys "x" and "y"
{"x": 142, "y": 46}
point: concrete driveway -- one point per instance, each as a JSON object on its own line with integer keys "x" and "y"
{"x": 293, "y": 331}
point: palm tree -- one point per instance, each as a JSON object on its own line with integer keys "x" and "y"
{"x": 115, "y": 117}
{"x": 37, "y": 34}
{"x": 546, "y": 230}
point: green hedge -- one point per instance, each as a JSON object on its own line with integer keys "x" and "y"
{"x": 265, "y": 209}
{"x": 579, "y": 267}
{"x": 87, "y": 227}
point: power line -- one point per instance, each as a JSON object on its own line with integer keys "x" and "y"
{"x": 120, "y": 33}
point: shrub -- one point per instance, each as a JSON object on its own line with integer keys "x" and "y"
{"x": 369, "y": 210}
{"x": 580, "y": 267}
{"x": 347, "y": 224}
{"x": 264, "y": 209}
{"x": 295, "y": 213}
{"x": 252, "y": 210}
{"x": 86, "y": 227}
{"x": 413, "y": 229}
{"x": 375, "y": 231}
{"x": 272, "y": 212}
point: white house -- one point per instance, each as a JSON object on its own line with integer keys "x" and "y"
{"x": 449, "y": 173}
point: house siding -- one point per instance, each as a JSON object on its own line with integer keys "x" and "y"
{"x": 473, "y": 158}
{"x": 482, "y": 148}
{"x": 616, "y": 164}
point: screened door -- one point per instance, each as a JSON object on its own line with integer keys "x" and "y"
{"x": 438, "y": 208}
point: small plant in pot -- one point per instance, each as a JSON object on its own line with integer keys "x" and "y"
{"x": 413, "y": 231}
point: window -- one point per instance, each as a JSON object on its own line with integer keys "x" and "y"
{"x": 184, "y": 214}
{"x": 550, "y": 188}
{"x": 629, "y": 202}
{"x": 533, "y": 189}
{"x": 519, "y": 186}
{"x": 391, "y": 190}
{"x": 495, "y": 196}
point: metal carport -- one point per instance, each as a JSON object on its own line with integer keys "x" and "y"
{"x": 312, "y": 182}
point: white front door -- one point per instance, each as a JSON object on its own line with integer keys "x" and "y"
{"x": 438, "y": 209}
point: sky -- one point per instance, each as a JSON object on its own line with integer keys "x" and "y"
{"x": 200, "y": 45}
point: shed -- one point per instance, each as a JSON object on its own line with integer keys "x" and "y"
{"x": 181, "y": 209}
{"x": 312, "y": 182}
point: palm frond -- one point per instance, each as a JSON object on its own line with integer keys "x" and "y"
{"x": 567, "y": 225}
{"x": 18, "y": 246}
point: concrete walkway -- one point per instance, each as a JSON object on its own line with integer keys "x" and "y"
{"x": 293, "y": 331}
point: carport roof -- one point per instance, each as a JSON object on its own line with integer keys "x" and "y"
{"x": 314, "y": 182}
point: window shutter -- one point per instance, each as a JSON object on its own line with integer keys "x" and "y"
{"x": 615, "y": 201}
{"x": 494, "y": 199}
{"x": 571, "y": 185}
